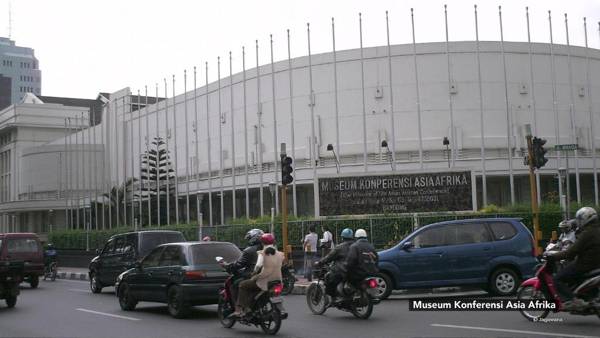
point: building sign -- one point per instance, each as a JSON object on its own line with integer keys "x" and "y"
{"x": 396, "y": 193}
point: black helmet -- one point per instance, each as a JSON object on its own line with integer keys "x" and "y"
{"x": 253, "y": 236}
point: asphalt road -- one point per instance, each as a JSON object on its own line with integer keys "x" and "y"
{"x": 68, "y": 309}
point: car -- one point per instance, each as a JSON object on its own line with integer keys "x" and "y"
{"x": 25, "y": 247}
{"x": 122, "y": 251}
{"x": 181, "y": 275}
{"x": 493, "y": 253}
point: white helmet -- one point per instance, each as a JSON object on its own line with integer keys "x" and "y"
{"x": 586, "y": 215}
{"x": 360, "y": 233}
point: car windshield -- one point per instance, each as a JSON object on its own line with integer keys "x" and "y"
{"x": 206, "y": 253}
{"x": 150, "y": 240}
{"x": 22, "y": 245}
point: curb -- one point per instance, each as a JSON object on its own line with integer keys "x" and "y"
{"x": 73, "y": 276}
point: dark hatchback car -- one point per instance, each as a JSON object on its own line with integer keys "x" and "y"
{"x": 178, "y": 274}
{"x": 24, "y": 247}
{"x": 493, "y": 253}
{"x": 122, "y": 251}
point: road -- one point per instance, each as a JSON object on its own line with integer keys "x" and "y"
{"x": 67, "y": 308}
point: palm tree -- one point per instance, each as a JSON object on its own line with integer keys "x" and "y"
{"x": 156, "y": 170}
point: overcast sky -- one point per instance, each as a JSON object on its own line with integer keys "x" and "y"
{"x": 86, "y": 46}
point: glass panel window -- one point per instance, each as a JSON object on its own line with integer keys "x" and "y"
{"x": 472, "y": 233}
{"x": 503, "y": 231}
{"x": 153, "y": 258}
{"x": 438, "y": 236}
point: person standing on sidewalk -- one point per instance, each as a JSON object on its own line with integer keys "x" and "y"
{"x": 310, "y": 250}
{"x": 326, "y": 241}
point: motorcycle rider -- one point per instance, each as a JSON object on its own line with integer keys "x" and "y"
{"x": 338, "y": 256}
{"x": 50, "y": 255}
{"x": 242, "y": 268}
{"x": 567, "y": 234}
{"x": 585, "y": 251}
{"x": 362, "y": 258}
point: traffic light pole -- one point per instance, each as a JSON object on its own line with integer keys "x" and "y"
{"x": 284, "y": 222}
{"x": 534, "y": 203}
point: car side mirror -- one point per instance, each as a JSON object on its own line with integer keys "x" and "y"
{"x": 407, "y": 246}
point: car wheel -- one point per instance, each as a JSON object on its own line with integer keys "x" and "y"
{"x": 126, "y": 301}
{"x": 384, "y": 285}
{"x": 95, "y": 285}
{"x": 175, "y": 303}
{"x": 34, "y": 281}
{"x": 11, "y": 301}
{"x": 504, "y": 282}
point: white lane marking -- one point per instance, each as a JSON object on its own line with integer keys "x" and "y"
{"x": 539, "y": 333}
{"x": 107, "y": 314}
{"x": 79, "y": 290}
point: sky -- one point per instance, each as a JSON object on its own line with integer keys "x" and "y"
{"x": 88, "y": 46}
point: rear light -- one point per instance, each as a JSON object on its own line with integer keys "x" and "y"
{"x": 277, "y": 289}
{"x": 372, "y": 283}
{"x": 195, "y": 274}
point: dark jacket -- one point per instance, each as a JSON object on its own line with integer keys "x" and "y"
{"x": 338, "y": 255}
{"x": 355, "y": 254}
{"x": 244, "y": 266}
{"x": 586, "y": 249}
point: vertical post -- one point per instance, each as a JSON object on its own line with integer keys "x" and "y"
{"x": 392, "y": 122}
{"x": 450, "y": 100}
{"x": 187, "y": 150}
{"x": 78, "y": 223}
{"x": 533, "y": 190}
{"x": 532, "y": 100}
{"x": 481, "y": 115}
{"x": 168, "y": 161}
{"x": 147, "y": 138}
{"x": 591, "y": 112}
{"x": 292, "y": 126}
{"x": 197, "y": 150}
{"x": 335, "y": 90}
{"x": 158, "y": 140}
{"x": 124, "y": 126}
{"x": 210, "y": 208}
{"x": 260, "y": 144}
{"x": 417, "y": 92}
{"x": 232, "y": 120}
{"x": 284, "y": 222}
{"x": 247, "y": 189}
{"x": 364, "y": 110}
{"x": 567, "y": 186}
{"x": 554, "y": 102}
{"x": 139, "y": 156}
{"x": 276, "y": 160}
{"x": 107, "y": 177}
{"x": 132, "y": 154}
{"x": 115, "y": 187}
{"x": 572, "y": 112}
{"x": 176, "y": 153}
{"x": 222, "y": 192}
{"x": 67, "y": 221}
{"x": 508, "y": 114}
{"x": 312, "y": 119}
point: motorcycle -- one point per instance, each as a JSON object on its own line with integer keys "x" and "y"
{"x": 11, "y": 275}
{"x": 542, "y": 288}
{"x": 357, "y": 299}
{"x": 267, "y": 310}
{"x": 50, "y": 271}
{"x": 288, "y": 279}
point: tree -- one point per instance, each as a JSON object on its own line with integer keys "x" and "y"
{"x": 156, "y": 171}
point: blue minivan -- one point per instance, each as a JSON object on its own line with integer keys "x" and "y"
{"x": 494, "y": 253}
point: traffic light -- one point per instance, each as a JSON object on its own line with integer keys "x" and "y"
{"x": 286, "y": 170}
{"x": 539, "y": 153}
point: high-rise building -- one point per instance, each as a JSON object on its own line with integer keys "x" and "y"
{"x": 20, "y": 65}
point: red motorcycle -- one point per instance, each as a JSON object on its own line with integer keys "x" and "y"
{"x": 542, "y": 288}
{"x": 267, "y": 310}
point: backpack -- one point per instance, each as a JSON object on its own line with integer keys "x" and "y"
{"x": 367, "y": 262}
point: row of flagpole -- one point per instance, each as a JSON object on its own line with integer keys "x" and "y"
{"x": 122, "y": 187}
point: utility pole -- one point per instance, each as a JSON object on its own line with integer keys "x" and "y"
{"x": 535, "y": 160}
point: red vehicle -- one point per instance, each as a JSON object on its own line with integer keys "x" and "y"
{"x": 541, "y": 287}
{"x": 25, "y": 247}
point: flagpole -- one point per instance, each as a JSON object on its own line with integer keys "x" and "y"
{"x": 532, "y": 101}
{"x": 197, "y": 150}
{"x": 96, "y": 175}
{"x": 83, "y": 162}
{"x": 92, "y": 152}
{"x": 147, "y": 139}
{"x": 187, "y": 151}
{"x": 417, "y": 91}
{"x": 259, "y": 148}
{"x": 591, "y": 111}
{"x": 167, "y": 137}
{"x": 139, "y": 160}
{"x": 67, "y": 177}
{"x": 210, "y": 208}
{"x": 275, "y": 159}
{"x": 176, "y": 154}
{"x": 158, "y": 141}
{"x": 292, "y": 126}
{"x": 222, "y": 197}
{"x": 481, "y": 115}
{"x": 554, "y": 108}
{"x": 335, "y": 92}
{"x": 450, "y": 100}
{"x": 508, "y": 110}
{"x": 106, "y": 153}
{"x": 312, "y": 121}
{"x": 364, "y": 111}
{"x": 124, "y": 127}
{"x": 387, "y": 28}
{"x": 132, "y": 155}
{"x": 247, "y": 201}
{"x": 116, "y": 186}
{"x": 77, "y": 168}
{"x": 232, "y": 138}
{"x": 572, "y": 110}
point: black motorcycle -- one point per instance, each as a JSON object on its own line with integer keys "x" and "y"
{"x": 11, "y": 275}
{"x": 288, "y": 279}
{"x": 357, "y": 298}
{"x": 267, "y": 310}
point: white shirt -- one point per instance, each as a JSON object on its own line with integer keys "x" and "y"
{"x": 311, "y": 240}
{"x": 327, "y": 237}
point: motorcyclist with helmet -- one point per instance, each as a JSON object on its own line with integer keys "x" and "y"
{"x": 362, "y": 258}
{"x": 585, "y": 252}
{"x": 50, "y": 255}
{"x": 567, "y": 230}
{"x": 338, "y": 256}
{"x": 242, "y": 268}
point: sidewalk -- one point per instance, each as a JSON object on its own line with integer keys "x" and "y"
{"x": 73, "y": 273}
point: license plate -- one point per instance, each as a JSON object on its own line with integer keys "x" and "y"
{"x": 276, "y": 300}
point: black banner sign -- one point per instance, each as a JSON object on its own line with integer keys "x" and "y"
{"x": 399, "y": 193}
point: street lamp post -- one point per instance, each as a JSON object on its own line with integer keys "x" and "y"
{"x": 199, "y": 198}
{"x": 446, "y": 142}
{"x": 337, "y": 161}
{"x": 272, "y": 187}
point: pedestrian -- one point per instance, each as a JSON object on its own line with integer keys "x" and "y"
{"x": 310, "y": 250}
{"x": 326, "y": 241}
